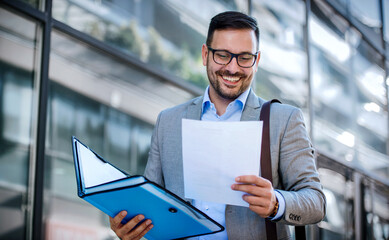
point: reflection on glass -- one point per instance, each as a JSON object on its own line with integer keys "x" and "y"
{"x": 108, "y": 105}
{"x": 336, "y": 188}
{"x": 282, "y": 70}
{"x": 376, "y": 210}
{"x": 167, "y": 34}
{"x": 371, "y": 114}
{"x": 333, "y": 129}
{"x": 386, "y": 20}
{"x": 342, "y": 3}
{"x": 34, "y": 3}
{"x": 18, "y": 48}
{"x": 349, "y": 97}
{"x": 119, "y": 143}
{"x": 328, "y": 42}
{"x": 367, "y": 12}
{"x": 118, "y": 137}
{"x": 106, "y": 130}
{"x": 110, "y": 81}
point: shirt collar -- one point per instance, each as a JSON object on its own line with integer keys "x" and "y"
{"x": 242, "y": 99}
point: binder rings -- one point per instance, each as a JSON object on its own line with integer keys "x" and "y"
{"x": 112, "y": 190}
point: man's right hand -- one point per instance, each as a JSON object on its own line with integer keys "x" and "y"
{"x": 128, "y": 231}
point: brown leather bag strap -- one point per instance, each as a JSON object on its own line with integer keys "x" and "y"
{"x": 266, "y": 170}
{"x": 265, "y": 149}
{"x": 271, "y": 227}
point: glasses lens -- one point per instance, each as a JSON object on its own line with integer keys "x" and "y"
{"x": 222, "y": 57}
{"x": 246, "y": 60}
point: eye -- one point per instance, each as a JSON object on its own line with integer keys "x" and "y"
{"x": 222, "y": 55}
{"x": 246, "y": 57}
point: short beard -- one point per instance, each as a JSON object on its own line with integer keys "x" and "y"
{"x": 216, "y": 85}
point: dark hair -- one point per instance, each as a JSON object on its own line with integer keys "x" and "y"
{"x": 232, "y": 20}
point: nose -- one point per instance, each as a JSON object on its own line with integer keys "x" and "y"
{"x": 233, "y": 66}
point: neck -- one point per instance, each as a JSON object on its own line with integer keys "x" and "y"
{"x": 220, "y": 103}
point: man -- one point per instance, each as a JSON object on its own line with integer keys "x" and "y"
{"x": 231, "y": 57}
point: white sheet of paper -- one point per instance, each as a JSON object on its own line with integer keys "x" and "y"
{"x": 94, "y": 170}
{"x": 215, "y": 153}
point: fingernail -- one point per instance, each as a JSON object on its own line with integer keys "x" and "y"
{"x": 140, "y": 217}
{"x": 237, "y": 179}
{"x": 148, "y": 222}
{"x": 124, "y": 213}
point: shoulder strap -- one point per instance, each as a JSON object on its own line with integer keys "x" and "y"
{"x": 271, "y": 227}
{"x": 265, "y": 149}
{"x": 266, "y": 170}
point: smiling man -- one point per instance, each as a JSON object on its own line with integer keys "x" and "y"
{"x": 230, "y": 66}
{"x": 231, "y": 56}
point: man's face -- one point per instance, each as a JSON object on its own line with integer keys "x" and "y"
{"x": 229, "y": 81}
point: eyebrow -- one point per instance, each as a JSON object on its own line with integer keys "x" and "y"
{"x": 235, "y": 53}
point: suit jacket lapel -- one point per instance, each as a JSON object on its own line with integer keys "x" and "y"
{"x": 194, "y": 109}
{"x": 252, "y": 108}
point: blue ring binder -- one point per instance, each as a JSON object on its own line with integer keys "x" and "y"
{"x": 172, "y": 216}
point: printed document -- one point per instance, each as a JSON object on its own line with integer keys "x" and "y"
{"x": 215, "y": 153}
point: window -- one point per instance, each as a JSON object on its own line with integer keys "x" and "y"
{"x": 167, "y": 34}
{"x": 371, "y": 112}
{"x": 108, "y": 105}
{"x": 367, "y": 13}
{"x": 282, "y": 69}
{"x": 348, "y": 94}
{"x": 376, "y": 210}
{"x": 385, "y": 12}
{"x": 339, "y": 215}
{"x": 332, "y": 87}
{"x": 18, "y": 47}
{"x": 34, "y": 3}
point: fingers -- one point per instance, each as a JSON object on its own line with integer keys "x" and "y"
{"x": 258, "y": 196}
{"x": 253, "y": 185}
{"x": 260, "y": 193}
{"x": 130, "y": 230}
{"x": 139, "y": 231}
{"x": 116, "y": 221}
{"x": 254, "y": 190}
{"x": 255, "y": 200}
{"x": 252, "y": 179}
{"x": 128, "y": 227}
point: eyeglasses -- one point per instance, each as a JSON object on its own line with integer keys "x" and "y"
{"x": 223, "y": 57}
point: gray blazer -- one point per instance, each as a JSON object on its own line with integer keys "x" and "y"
{"x": 292, "y": 156}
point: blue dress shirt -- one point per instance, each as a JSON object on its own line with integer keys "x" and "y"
{"x": 233, "y": 113}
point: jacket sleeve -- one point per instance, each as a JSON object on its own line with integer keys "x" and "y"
{"x": 300, "y": 185}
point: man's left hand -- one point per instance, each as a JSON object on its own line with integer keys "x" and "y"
{"x": 260, "y": 194}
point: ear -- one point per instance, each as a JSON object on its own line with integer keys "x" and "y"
{"x": 257, "y": 62}
{"x": 204, "y": 54}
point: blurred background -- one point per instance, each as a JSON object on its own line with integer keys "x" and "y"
{"x": 103, "y": 69}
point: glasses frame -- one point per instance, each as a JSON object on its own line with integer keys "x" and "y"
{"x": 233, "y": 55}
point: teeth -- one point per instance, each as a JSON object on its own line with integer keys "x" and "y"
{"x": 231, "y": 79}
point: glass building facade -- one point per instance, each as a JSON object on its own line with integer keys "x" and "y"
{"x": 102, "y": 70}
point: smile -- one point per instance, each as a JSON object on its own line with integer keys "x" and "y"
{"x": 231, "y": 79}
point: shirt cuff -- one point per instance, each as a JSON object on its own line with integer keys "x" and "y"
{"x": 281, "y": 206}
